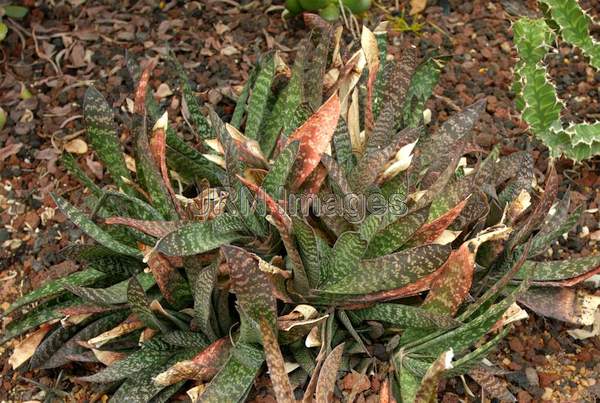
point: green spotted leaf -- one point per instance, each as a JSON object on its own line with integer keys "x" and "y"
{"x": 258, "y": 99}
{"x": 70, "y": 163}
{"x": 343, "y": 146}
{"x": 309, "y": 249}
{"x": 347, "y": 252}
{"x": 554, "y": 229}
{"x": 136, "y": 297}
{"x": 181, "y": 338}
{"x": 102, "y": 136}
{"x": 404, "y": 316}
{"x": 274, "y": 181}
{"x": 201, "y": 126}
{"x": 396, "y": 234}
{"x": 56, "y": 287}
{"x": 52, "y": 343}
{"x": 113, "y": 295}
{"x": 240, "y": 106}
{"x": 559, "y": 269}
{"x": 202, "y": 291}
{"x": 88, "y": 226}
{"x": 421, "y": 87}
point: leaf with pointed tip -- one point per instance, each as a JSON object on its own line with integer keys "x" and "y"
{"x": 33, "y": 319}
{"x": 202, "y": 291}
{"x": 55, "y": 288}
{"x": 274, "y": 181}
{"x": 564, "y": 304}
{"x": 136, "y": 297}
{"x": 316, "y": 70}
{"x": 308, "y": 249}
{"x": 113, "y": 295}
{"x": 337, "y": 177}
{"x": 258, "y": 99}
{"x": 70, "y": 163}
{"x": 492, "y": 385}
{"x": 59, "y": 349}
{"x": 116, "y": 266}
{"x": 328, "y": 374}
{"x": 88, "y": 226}
{"x": 469, "y": 360}
{"x": 427, "y": 391}
{"x": 404, "y": 316}
{"x": 52, "y": 344}
{"x": 558, "y": 270}
{"x": 391, "y": 271}
{"x": 157, "y": 229}
{"x": 432, "y": 230}
{"x": 314, "y": 136}
{"x": 422, "y": 84}
{"x": 173, "y": 286}
{"x": 343, "y": 146}
{"x": 199, "y": 237}
{"x": 201, "y": 126}
{"x": 234, "y": 380}
{"x": 102, "y": 136}
{"x": 240, "y": 105}
{"x": 552, "y": 230}
{"x": 347, "y": 252}
{"x": 275, "y": 363}
{"x": 397, "y": 233}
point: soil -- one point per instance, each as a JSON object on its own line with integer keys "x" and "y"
{"x": 51, "y": 57}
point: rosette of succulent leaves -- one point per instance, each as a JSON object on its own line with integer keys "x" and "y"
{"x": 199, "y": 276}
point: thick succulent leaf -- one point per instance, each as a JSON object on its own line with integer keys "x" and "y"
{"x": 199, "y": 237}
{"x": 397, "y": 233}
{"x": 391, "y": 271}
{"x": 565, "y": 304}
{"x": 70, "y": 163}
{"x": 347, "y": 252}
{"x": 251, "y": 285}
{"x": 202, "y": 291}
{"x": 557, "y": 270}
{"x": 314, "y": 136}
{"x": 181, "y": 338}
{"x": 102, "y": 136}
{"x": 259, "y": 97}
{"x": 113, "y": 295}
{"x": 492, "y": 385}
{"x": 308, "y": 248}
{"x": 116, "y": 266}
{"x": 404, "y": 316}
{"x": 157, "y": 229}
{"x": 427, "y": 392}
{"x": 140, "y": 306}
{"x": 430, "y": 231}
{"x": 316, "y": 70}
{"x": 33, "y": 319}
{"x": 201, "y": 126}
{"x": 95, "y": 232}
{"x": 55, "y": 288}
{"x": 57, "y": 350}
{"x": 240, "y": 106}
{"x": 553, "y": 229}
{"x": 274, "y": 181}
{"x": 234, "y": 380}
{"x": 343, "y": 146}
{"x": 421, "y": 87}
{"x": 275, "y": 363}
{"x": 328, "y": 374}
{"x": 134, "y": 206}
{"x": 173, "y": 286}
{"x": 51, "y": 344}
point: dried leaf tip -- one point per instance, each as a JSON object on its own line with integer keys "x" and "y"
{"x": 162, "y": 122}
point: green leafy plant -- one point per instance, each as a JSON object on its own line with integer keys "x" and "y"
{"x": 330, "y": 10}
{"x": 12, "y": 11}
{"x": 538, "y": 99}
{"x": 205, "y": 289}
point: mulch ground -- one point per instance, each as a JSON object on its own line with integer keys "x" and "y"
{"x": 50, "y": 58}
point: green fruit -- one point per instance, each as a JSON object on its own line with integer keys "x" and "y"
{"x": 313, "y": 5}
{"x": 357, "y": 6}
{"x": 293, "y": 6}
{"x": 330, "y": 13}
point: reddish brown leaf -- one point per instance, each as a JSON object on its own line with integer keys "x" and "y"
{"x": 158, "y": 147}
{"x": 429, "y": 384}
{"x": 279, "y": 378}
{"x": 157, "y": 229}
{"x": 328, "y": 374}
{"x": 491, "y": 384}
{"x": 314, "y": 136}
{"x": 431, "y": 231}
{"x": 168, "y": 279}
{"x": 83, "y": 309}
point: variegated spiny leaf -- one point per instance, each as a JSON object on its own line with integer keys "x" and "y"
{"x": 201, "y": 126}
{"x": 393, "y": 98}
{"x": 421, "y": 87}
{"x": 70, "y": 163}
{"x": 55, "y": 288}
{"x": 251, "y": 285}
{"x": 328, "y": 374}
{"x": 391, "y": 271}
{"x": 347, "y": 252}
{"x": 427, "y": 392}
{"x": 258, "y": 99}
{"x": 308, "y": 248}
{"x": 88, "y": 226}
{"x": 553, "y": 229}
{"x": 314, "y": 136}
{"x": 136, "y": 297}
{"x": 234, "y": 380}
{"x": 202, "y": 291}
{"x": 275, "y": 363}
{"x": 148, "y": 172}
{"x": 558, "y": 270}
{"x": 113, "y": 295}
{"x": 452, "y": 130}
{"x": 102, "y": 136}
{"x": 584, "y": 134}
{"x": 492, "y": 385}
{"x": 316, "y": 70}
{"x": 157, "y": 229}
{"x": 430, "y": 231}
{"x": 58, "y": 349}
{"x": 404, "y": 316}
{"x": 240, "y": 105}
{"x": 372, "y": 163}
{"x": 199, "y": 237}
{"x": 274, "y": 181}
{"x": 343, "y": 147}
{"x": 395, "y": 234}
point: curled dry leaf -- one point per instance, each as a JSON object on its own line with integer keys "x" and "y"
{"x": 25, "y": 349}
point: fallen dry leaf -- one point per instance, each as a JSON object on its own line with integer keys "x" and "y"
{"x": 76, "y": 146}
{"x": 24, "y": 350}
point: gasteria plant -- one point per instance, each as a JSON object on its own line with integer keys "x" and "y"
{"x": 538, "y": 100}
{"x": 329, "y": 232}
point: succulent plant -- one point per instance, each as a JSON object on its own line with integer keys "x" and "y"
{"x": 324, "y": 229}
{"x": 330, "y": 10}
